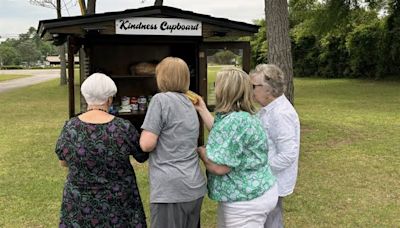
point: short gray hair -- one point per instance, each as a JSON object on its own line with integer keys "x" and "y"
{"x": 97, "y": 88}
{"x": 273, "y": 76}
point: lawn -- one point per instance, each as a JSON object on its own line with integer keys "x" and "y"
{"x": 349, "y": 163}
{"x": 6, "y": 77}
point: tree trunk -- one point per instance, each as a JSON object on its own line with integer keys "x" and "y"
{"x": 279, "y": 46}
{"x": 158, "y": 2}
{"x": 82, "y": 6}
{"x": 63, "y": 65}
{"x": 91, "y": 7}
{"x": 58, "y": 8}
{"x": 63, "y": 68}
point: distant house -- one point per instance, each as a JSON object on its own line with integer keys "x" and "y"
{"x": 55, "y": 60}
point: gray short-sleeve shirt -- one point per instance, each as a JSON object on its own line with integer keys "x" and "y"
{"x": 174, "y": 169}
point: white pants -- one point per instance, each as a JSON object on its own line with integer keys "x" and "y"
{"x": 247, "y": 214}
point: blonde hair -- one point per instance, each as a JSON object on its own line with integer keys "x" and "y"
{"x": 233, "y": 91}
{"x": 172, "y": 75}
{"x": 272, "y": 76}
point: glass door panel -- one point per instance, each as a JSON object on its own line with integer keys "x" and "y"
{"x": 213, "y": 57}
{"x": 218, "y": 59}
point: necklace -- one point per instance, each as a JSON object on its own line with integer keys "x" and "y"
{"x": 100, "y": 109}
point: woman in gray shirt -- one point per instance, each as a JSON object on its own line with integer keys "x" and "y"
{"x": 170, "y": 133}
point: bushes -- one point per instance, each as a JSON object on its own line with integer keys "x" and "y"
{"x": 11, "y": 67}
{"x": 333, "y": 57}
{"x": 368, "y": 51}
{"x": 390, "y": 54}
{"x": 366, "y": 46}
{"x": 305, "y": 53}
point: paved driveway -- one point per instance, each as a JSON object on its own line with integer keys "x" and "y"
{"x": 38, "y": 76}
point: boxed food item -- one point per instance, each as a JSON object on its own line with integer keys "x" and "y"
{"x": 193, "y": 97}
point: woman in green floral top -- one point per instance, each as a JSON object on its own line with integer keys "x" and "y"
{"x": 239, "y": 176}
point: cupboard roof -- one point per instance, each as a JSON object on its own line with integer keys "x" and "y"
{"x": 104, "y": 23}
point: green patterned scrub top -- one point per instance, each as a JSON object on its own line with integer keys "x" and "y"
{"x": 238, "y": 140}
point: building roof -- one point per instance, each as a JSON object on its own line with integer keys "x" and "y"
{"x": 104, "y": 23}
{"x": 56, "y": 59}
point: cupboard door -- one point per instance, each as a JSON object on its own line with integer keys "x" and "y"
{"x": 213, "y": 56}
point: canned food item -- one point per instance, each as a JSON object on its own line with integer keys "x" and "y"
{"x": 125, "y": 101}
{"x": 135, "y": 106}
{"x": 134, "y": 103}
{"x": 134, "y": 100}
{"x": 142, "y": 103}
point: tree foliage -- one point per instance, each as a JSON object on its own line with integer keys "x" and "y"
{"x": 27, "y": 49}
{"x": 342, "y": 38}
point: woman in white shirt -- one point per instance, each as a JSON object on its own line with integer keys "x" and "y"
{"x": 282, "y": 125}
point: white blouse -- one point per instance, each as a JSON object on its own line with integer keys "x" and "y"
{"x": 282, "y": 125}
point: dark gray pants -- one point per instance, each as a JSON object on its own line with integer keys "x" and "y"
{"x": 176, "y": 215}
{"x": 275, "y": 217}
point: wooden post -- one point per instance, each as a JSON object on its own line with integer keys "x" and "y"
{"x": 246, "y": 57}
{"x": 71, "y": 89}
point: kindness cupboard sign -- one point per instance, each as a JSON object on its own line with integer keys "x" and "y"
{"x": 158, "y": 26}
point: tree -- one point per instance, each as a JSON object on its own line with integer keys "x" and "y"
{"x": 87, "y": 7}
{"x": 391, "y": 42}
{"x": 28, "y": 52}
{"x": 259, "y": 45}
{"x": 279, "y": 46}
{"x": 9, "y": 55}
{"x": 28, "y": 48}
{"x": 56, "y": 5}
{"x": 158, "y": 2}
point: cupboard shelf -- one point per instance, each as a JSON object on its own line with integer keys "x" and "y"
{"x": 137, "y": 77}
{"x": 131, "y": 76}
{"x": 133, "y": 113}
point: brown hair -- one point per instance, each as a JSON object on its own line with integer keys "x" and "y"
{"x": 172, "y": 75}
{"x": 233, "y": 91}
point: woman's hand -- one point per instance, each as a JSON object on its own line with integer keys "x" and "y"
{"x": 200, "y": 106}
{"x": 205, "y": 115}
{"x": 202, "y": 153}
{"x": 210, "y": 165}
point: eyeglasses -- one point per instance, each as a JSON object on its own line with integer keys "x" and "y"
{"x": 254, "y": 86}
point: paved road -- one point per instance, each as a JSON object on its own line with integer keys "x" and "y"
{"x": 38, "y": 76}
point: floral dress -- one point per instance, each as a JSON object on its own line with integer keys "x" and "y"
{"x": 238, "y": 140}
{"x": 100, "y": 190}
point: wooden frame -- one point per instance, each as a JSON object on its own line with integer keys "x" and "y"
{"x": 95, "y": 37}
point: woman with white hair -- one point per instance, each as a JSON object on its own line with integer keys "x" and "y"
{"x": 239, "y": 177}
{"x": 282, "y": 126}
{"x": 101, "y": 189}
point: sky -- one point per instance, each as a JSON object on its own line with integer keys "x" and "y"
{"x": 16, "y": 16}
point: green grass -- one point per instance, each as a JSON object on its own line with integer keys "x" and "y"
{"x": 212, "y": 74}
{"x": 6, "y": 77}
{"x": 349, "y": 163}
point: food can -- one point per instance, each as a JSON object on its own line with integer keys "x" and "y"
{"x": 125, "y": 101}
{"x": 134, "y": 104}
{"x": 142, "y": 102}
{"x": 134, "y": 100}
{"x": 135, "y": 107}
